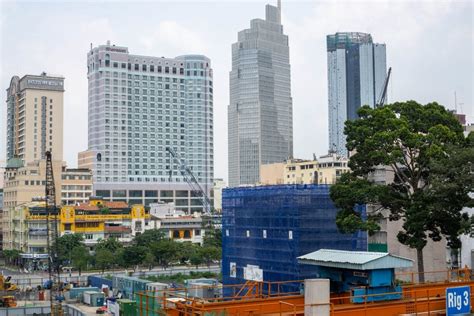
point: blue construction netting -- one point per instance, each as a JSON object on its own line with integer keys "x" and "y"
{"x": 270, "y": 226}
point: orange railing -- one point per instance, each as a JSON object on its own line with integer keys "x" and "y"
{"x": 255, "y": 298}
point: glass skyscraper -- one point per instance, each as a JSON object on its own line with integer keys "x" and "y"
{"x": 260, "y": 113}
{"x": 139, "y": 106}
{"x": 356, "y": 74}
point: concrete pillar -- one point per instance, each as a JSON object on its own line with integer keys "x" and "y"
{"x": 316, "y": 291}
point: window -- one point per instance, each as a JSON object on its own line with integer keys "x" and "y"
{"x": 264, "y": 233}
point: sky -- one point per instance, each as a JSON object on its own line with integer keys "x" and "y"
{"x": 429, "y": 47}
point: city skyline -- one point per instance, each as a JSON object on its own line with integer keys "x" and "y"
{"x": 425, "y": 54}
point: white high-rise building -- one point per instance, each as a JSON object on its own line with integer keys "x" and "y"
{"x": 139, "y": 106}
{"x": 357, "y": 69}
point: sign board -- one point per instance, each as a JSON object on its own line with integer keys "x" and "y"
{"x": 233, "y": 270}
{"x": 458, "y": 300}
{"x": 253, "y": 273}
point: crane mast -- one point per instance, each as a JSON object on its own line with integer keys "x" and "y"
{"x": 52, "y": 239}
{"x": 191, "y": 180}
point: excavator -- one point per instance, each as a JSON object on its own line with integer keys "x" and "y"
{"x": 7, "y": 287}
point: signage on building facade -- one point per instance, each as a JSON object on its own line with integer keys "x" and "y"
{"x": 458, "y": 300}
{"x": 40, "y": 82}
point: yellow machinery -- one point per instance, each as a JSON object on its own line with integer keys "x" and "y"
{"x": 7, "y": 286}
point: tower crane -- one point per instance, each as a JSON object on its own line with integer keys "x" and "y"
{"x": 383, "y": 94}
{"x": 191, "y": 180}
{"x": 54, "y": 270}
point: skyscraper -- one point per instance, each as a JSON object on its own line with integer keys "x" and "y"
{"x": 35, "y": 117}
{"x": 260, "y": 113}
{"x": 139, "y": 106}
{"x": 356, "y": 73}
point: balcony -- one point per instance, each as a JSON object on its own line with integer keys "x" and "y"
{"x": 117, "y": 229}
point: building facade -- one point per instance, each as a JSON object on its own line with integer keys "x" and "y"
{"x": 260, "y": 112}
{"x": 326, "y": 170}
{"x": 76, "y": 186}
{"x": 267, "y": 227}
{"x": 357, "y": 69}
{"x": 35, "y": 117}
{"x": 100, "y": 219}
{"x": 219, "y": 185}
{"x": 138, "y": 107}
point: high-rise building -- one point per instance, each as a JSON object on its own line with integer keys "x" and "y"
{"x": 356, "y": 74}
{"x": 139, "y": 106}
{"x": 35, "y": 117}
{"x": 260, "y": 113}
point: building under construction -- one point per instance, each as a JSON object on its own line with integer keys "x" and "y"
{"x": 265, "y": 229}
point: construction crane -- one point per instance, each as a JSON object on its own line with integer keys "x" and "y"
{"x": 54, "y": 270}
{"x": 383, "y": 94}
{"x": 191, "y": 180}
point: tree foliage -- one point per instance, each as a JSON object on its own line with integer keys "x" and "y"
{"x": 104, "y": 259}
{"x": 112, "y": 244}
{"x": 64, "y": 246}
{"x": 431, "y": 162}
{"x": 80, "y": 258}
{"x": 148, "y": 237}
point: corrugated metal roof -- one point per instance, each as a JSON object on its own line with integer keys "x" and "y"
{"x": 356, "y": 260}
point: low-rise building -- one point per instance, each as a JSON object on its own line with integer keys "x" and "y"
{"x": 100, "y": 219}
{"x": 176, "y": 224}
{"x": 325, "y": 170}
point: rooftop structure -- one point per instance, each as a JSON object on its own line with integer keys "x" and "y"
{"x": 356, "y": 260}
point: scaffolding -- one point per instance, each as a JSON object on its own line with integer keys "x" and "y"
{"x": 265, "y": 228}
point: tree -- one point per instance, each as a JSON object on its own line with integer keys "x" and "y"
{"x": 64, "y": 246}
{"x": 209, "y": 254}
{"x": 12, "y": 255}
{"x": 213, "y": 237}
{"x": 148, "y": 237}
{"x": 133, "y": 255}
{"x": 185, "y": 250}
{"x": 111, "y": 244}
{"x": 165, "y": 251}
{"x": 149, "y": 261}
{"x": 407, "y": 138}
{"x": 104, "y": 259}
{"x": 196, "y": 258}
{"x": 80, "y": 258}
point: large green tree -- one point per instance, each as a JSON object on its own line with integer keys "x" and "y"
{"x": 80, "y": 258}
{"x": 104, "y": 259}
{"x": 165, "y": 251}
{"x": 413, "y": 141}
{"x": 112, "y": 244}
{"x": 148, "y": 237}
{"x": 133, "y": 255}
{"x": 65, "y": 245}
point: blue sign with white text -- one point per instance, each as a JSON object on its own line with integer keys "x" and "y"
{"x": 458, "y": 300}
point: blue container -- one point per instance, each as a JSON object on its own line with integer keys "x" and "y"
{"x": 98, "y": 281}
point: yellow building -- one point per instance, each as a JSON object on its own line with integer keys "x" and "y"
{"x": 100, "y": 219}
{"x": 326, "y": 170}
{"x": 94, "y": 220}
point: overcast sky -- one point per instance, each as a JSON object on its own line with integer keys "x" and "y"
{"x": 429, "y": 47}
